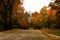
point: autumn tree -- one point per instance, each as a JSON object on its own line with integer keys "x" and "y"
{"x": 6, "y": 8}
{"x": 44, "y": 16}
{"x": 17, "y": 12}
{"x": 48, "y": 16}
{"x": 24, "y": 21}
{"x": 56, "y": 6}
{"x": 35, "y": 20}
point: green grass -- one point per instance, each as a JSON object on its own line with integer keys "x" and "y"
{"x": 56, "y": 33}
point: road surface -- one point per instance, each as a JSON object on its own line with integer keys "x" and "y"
{"x": 23, "y": 35}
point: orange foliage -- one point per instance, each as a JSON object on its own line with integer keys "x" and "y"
{"x": 22, "y": 22}
{"x": 17, "y": 7}
{"x": 35, "y": 14}
{"x": 43, "y": 15}
{"x": 51, "y": 12}
{"x": 35, "y": 17}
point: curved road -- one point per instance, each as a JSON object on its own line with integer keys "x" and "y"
{"x": 23, "y": 35}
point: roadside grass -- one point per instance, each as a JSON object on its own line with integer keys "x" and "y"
{"x": 56, "y": 32}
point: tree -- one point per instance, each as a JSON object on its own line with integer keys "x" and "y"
{"x": 24, "y": 20}
{"x": 35, "y": 20}
{"x": 48, "y": 17}
{"x": 56, "y": 6}
{"x": 17, "y": 12}
{"x": 7, "y": 7}
{"x": 44, "y": 17}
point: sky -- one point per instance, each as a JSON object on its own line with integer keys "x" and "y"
{"x": 35, "y": 5}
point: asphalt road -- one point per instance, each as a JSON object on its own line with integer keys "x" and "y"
{"x": 18, "y": 34}
{"x": 22, "y": 35}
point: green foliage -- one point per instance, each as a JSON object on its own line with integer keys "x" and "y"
{"x": 56, "y": 32}
{"x": 53, "y": 26}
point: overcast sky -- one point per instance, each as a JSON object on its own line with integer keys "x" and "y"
{"x": 35, "y": 5}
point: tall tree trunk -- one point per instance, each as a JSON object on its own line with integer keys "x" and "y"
{"x": 7, "y": 4}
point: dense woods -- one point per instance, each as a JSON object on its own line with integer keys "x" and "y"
{"x": 12, "y": 15}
